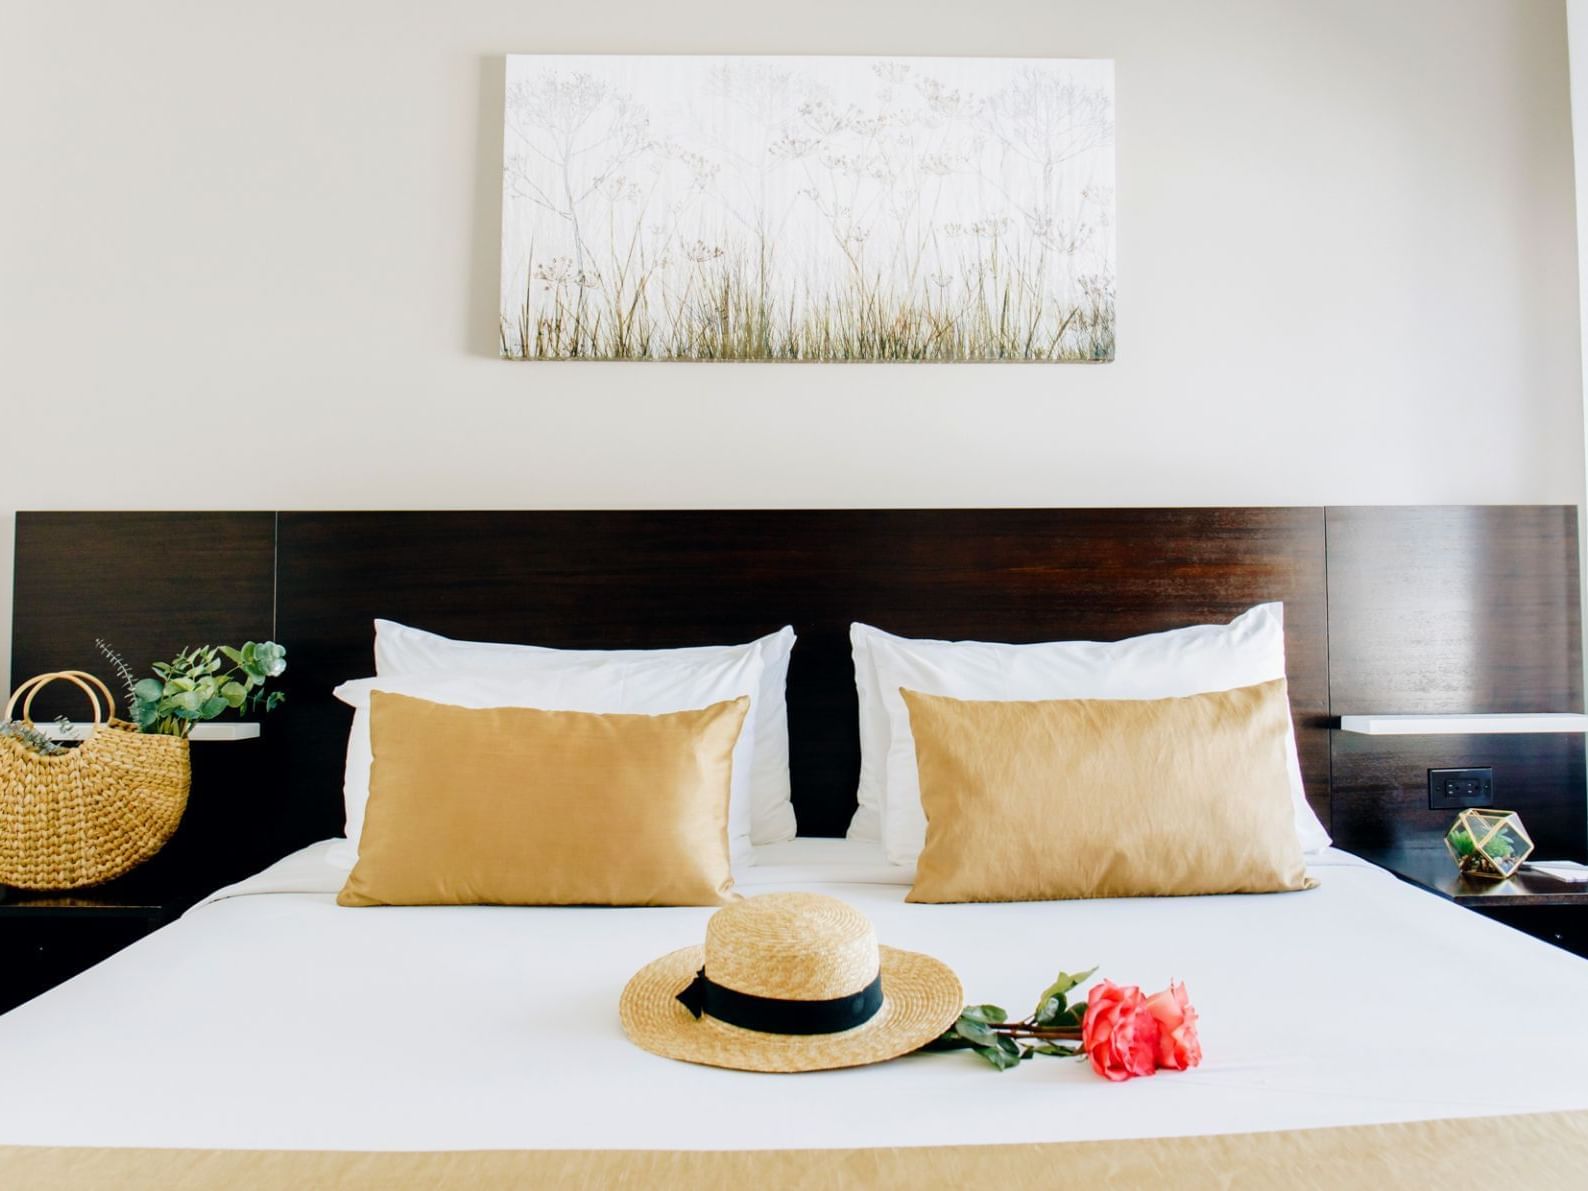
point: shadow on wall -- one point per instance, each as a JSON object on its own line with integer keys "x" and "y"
{"x": 8, "y": 524}
{"x": 485, "y": 259}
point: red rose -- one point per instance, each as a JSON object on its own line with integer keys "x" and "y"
{"x": 1118, "y": 1034}
{"x": 1178, "y": 1047}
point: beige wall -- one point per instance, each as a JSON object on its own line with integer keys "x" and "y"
{"x": 248, "y": 258}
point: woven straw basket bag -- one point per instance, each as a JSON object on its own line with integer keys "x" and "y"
{"x": 91, "y": 813}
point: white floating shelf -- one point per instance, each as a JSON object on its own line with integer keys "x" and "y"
{"x": 201, "y": 732}
{"x": 1459, "y": 725}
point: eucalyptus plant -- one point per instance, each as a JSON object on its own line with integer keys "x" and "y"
{"x": 198, "y": 684}
{"x": 31, "y": 738}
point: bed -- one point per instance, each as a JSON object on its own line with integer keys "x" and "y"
{"x": 487, "y": 1039}
{"x": 1359, "y": 1031}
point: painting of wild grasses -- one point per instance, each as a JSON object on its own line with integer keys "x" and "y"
{"x": 786, "y": 208}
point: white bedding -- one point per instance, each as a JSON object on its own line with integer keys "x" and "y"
{"x": 271, "y": 1018}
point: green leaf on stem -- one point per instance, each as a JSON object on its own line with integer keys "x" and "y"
{"x": 948, "y": 1040}
{"x": 1056, "y": 1050}
{"x": 1052, "y": 1004}
{"x": 985, "y": 1013}
{"x": 977, "y": 1033}
{"x": 1004, "y": 1054}
{"x": 197, "y": 685}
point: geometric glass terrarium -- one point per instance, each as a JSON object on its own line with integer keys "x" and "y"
{"x": 1489, "y": 843}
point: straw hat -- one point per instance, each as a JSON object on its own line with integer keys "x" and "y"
{"x": 789, "y": 982}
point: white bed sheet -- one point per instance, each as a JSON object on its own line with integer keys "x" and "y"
{"x": 271, "y": 1018}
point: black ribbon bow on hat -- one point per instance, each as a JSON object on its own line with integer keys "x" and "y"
{"x": 694, "y": 997}
{"x": 771, "y": 1015}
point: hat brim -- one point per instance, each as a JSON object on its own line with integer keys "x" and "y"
{"x": 921, "y": 997}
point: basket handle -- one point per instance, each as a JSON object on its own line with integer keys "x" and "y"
{"x": 76, "y": 677}
{"x": 99, "y": 683}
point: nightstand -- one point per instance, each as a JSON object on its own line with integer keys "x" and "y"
{"x": 1555, "y": 911}
{"x": 48, "y": 938}
{"x": 227, "y": 833}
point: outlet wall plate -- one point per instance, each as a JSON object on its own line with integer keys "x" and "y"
{"x": 1455, "y": 789}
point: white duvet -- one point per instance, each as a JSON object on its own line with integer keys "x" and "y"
{"x": 269, "y": 1017}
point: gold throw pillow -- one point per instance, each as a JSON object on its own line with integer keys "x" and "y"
{"x": 517, "y": 806}
{"x": 1068, "y": 798}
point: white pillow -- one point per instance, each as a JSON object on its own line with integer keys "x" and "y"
{"x": 648, "y": 686}
{"x": 867, "y": 822}
{"x": 1189, "y": 661}
{"x": 400, "y": 649}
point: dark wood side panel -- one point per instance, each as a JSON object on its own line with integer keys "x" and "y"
{"x": 1381, "y": 787}
{"x": 150, "y": 583}
{"x": 1454, "y": 609}
{"x": 659, "y": 579}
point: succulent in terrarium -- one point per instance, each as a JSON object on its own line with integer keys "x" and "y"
{"x": 1488, "y": 843}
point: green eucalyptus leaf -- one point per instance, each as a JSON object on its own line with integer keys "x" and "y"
{"x": 277, "y": 698}
{"x": 270, "y": 658}
{"x": 198, "y": 684}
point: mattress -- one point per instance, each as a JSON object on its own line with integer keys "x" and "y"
{"x": 1359, "y": 1032}
{"x": 270, "y": 1018}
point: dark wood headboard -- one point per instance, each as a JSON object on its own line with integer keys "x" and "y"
{"x": 1402, "y": 609}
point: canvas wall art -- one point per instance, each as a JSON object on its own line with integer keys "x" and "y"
{"x": 798, "y": 208}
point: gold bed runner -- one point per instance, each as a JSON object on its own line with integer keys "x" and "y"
{"x": 1539, "y": 1149}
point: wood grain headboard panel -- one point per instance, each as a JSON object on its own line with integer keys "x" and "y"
{"x": 650, "y": 579}
{"x": 659, "y": 579}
